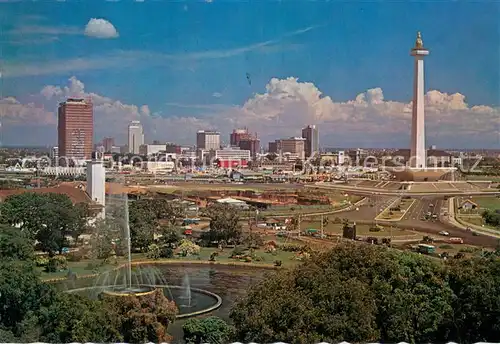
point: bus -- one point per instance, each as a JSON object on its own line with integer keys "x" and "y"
{"x": 187, "y": 222}
{"x": 426, "y": 249}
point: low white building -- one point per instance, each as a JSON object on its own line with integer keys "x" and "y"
{"x": 158, "y": 166}
{"x": 152, "y": 149}
{"x": 233, "y": 202}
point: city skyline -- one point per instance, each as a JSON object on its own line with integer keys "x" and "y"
{"x": 206, "y": 78}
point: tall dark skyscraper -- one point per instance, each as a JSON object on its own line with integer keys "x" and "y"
{"x": 310, "y": 133}
{"x": 75, "y": 129}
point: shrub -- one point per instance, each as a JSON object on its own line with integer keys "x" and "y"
{"x": 277, "y": 263}
{"x": 468, "y": 249}
{"x": 153, "y": 251}
{"x": 41, "y": 261}
{"x": 55, "y": 264}
{"x": 51, "y": 266}
{"x": 166, "y": 252}
{"x": 188, "y": 248}
{"x": 213, "y": 256}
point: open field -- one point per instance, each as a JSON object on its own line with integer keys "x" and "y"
{"x": 491, "y": 203}
{"x": 485, "y": 178}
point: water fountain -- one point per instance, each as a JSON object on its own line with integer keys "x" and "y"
{"x": 186, "y": 295}
{"x": 141, "y": 279}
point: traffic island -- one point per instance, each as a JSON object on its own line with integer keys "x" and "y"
{"x": 396, "y": 211}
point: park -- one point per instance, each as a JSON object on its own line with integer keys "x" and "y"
{"x": 196, "y": 262}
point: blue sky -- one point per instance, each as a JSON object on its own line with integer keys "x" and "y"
{"x": 197, "y": 54}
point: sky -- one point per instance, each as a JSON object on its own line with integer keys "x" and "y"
{"x": 273, "y": 67}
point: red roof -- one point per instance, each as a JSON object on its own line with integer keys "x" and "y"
{"x": 75, "y": 194}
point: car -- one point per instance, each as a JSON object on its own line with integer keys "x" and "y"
{"x": 444, "y": 233}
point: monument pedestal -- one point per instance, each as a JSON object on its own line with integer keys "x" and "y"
{"x": 410, "y": 174}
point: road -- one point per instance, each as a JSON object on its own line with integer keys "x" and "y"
{"x": 422, "y": 207}
{"x": 370, "y": 191}
{"x": 413, "y": 220}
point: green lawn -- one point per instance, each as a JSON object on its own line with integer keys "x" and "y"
{"x": 86, "y": 267}
{"x": 476, "y": 220}
{"x": 485, "y": 178}
{"x": 491, "y": 203}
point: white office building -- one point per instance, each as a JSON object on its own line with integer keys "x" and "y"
{"x": 207, "y": 140}
{"x": 135, "y": 137}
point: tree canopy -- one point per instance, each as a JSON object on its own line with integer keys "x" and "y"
{"x": 364, "y": 293}
{"x": 49, "y": 218}
{"x": 224, "y": 224}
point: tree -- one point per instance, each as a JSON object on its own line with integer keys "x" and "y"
{"x": 491, "y": 218}
{"x": 102, "y": 240}
{"x": 143, "y": 222}
{"x": 476, "y": 305}
{"x": 356, "y": 293}
{"x": 72, "y": 318}
{"x": 47, "y": 217}
{"x": 24, "y": 210}
{"x": 15, "y": 245}
{"x": 207, "y": 330}
{"x": 224, "y": 224}
{"x": 167, "y": 210}
{"x": 170, "y": 236}
{"x": 142, "y": 319}
{"x": 81, "y": 224}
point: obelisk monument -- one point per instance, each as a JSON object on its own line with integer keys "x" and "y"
{"x": 418, "y": 159}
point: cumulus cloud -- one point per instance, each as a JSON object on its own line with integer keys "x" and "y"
{"x": 286, "y": 105}
{"x": 100, "y": 28}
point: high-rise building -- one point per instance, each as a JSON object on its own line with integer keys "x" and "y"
{"x": 244, "y": 140}
{"x": 237, "y": 135}
{"x": 108, "y": 143}
{"x": 295, "y": 146}
{"x": 54, "y": 156}
{"x": 417, "y": 149}
{"x": 135, "y": 137}
{"x": 310, "y": 133}
{"x": 75, "y": 129}
{"x": 207, "y": 140}
{"x": 252, "y": 144}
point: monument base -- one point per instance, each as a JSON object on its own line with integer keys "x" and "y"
{"x": 410, "y": 174}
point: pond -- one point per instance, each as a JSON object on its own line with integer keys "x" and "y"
{"x": 229, "y": 282}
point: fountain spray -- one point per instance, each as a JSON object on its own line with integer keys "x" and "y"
{"x": 129, "y": 244}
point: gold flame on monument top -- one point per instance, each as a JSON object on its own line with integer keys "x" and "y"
{"x": 419, "y": 44}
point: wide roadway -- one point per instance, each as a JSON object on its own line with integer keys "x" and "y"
{"x": 413, "y": 219}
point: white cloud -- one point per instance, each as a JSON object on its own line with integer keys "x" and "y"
{"x": 100, "y": 28}
{"x": 285, "y": 106}
{"x": 217, "y": 94}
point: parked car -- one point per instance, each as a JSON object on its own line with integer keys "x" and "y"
{"x": 444, "y": 233}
